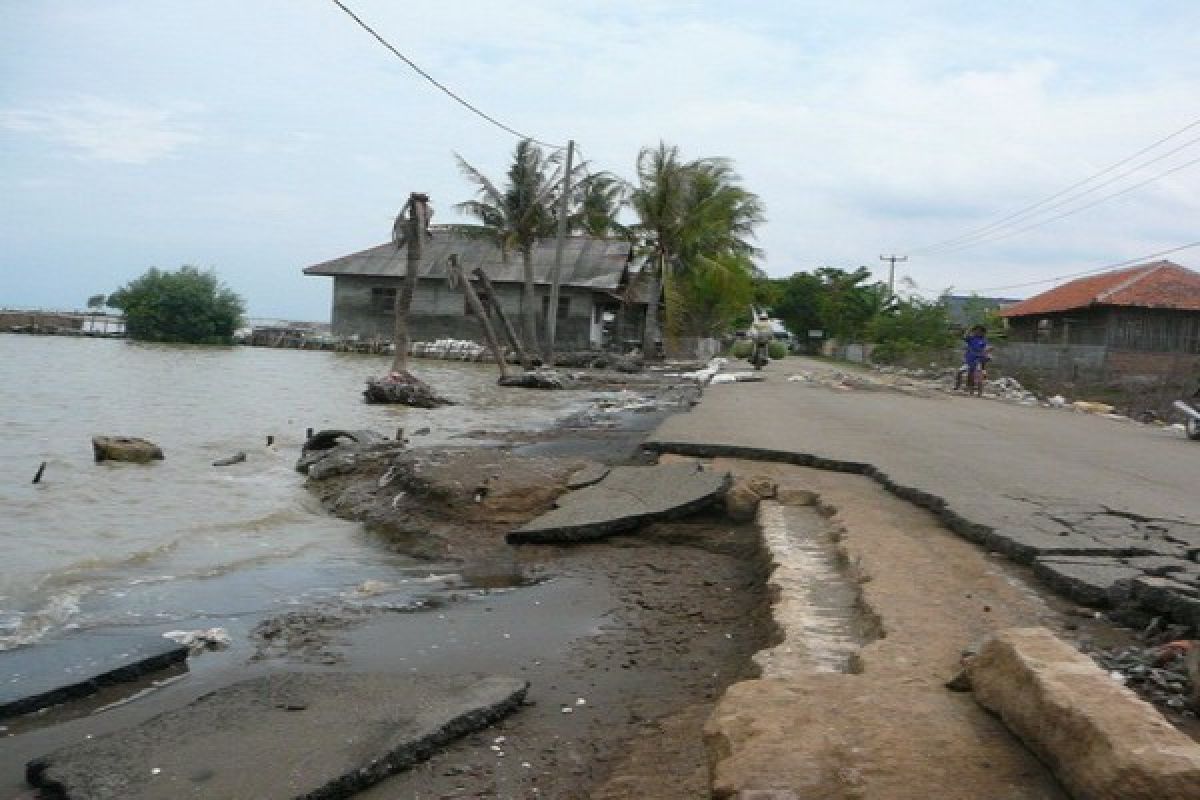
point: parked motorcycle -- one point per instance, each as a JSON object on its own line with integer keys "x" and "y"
{"x": 1191, "y": 416}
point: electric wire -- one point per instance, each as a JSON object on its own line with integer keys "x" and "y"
{"x": 1093, "y": 271}
{"x": 1073, "y": 211}
{"x": 1026, "y": 211}
{"x": 983, "y": 238}
{"x": 465, "y": 103}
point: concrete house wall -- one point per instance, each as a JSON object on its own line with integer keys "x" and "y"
{"x": 363, "y": 307}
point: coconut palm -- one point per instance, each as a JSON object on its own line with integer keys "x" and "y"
{"x": 600, "y": 198}
{"x": 518, "y": 216}
{"x": 687, "y": 211}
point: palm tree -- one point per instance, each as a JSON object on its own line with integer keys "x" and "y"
{"x": 518, "y": 217}
{"x": 688, "y": 211}
{"x": 408, "y": 232}
{"x": 600, "y": 198}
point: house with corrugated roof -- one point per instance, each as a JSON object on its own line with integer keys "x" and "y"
{"x": 1134, "y": 331}
{"x": 1151, "y": 307}
{"x": 598, "y": 297}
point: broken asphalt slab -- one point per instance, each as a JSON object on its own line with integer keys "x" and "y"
{"x": 33, "y": 678}
{"x": 625, "y": 498}
{"x": 289, "y": 735}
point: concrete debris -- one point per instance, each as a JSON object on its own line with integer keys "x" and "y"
{"x": 1097, "y": 736}
{"x": 200, "y": 640}
{"x": 377, "y": 725}
{"x": 624, "y": 499}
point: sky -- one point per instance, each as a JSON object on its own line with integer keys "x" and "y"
{"x": 257, "y": 137}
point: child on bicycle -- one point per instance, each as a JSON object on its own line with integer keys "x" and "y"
{"x": 975, "y": 358}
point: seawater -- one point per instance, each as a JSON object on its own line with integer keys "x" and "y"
{"x": 180, "y": 543}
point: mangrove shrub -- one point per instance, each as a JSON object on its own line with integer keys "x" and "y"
{"x": 188, "y": 305}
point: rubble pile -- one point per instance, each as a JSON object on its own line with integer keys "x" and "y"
{"x": 1157, "y": 669}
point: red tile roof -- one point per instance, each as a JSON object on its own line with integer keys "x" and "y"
{"x": 1161, "y": 284}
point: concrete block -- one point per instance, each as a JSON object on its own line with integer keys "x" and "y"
{"x": 1099, "y": 738}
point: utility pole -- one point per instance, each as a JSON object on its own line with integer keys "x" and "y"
{"x": 556, "y": 274}
{"x": 892, "y": 273}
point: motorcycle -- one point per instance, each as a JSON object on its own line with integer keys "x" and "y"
{"x": 758, "y": 353}
{"x": 1191, "y": 416}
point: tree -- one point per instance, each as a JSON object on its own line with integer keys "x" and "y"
{"x": 408, "y": 231}
{"x": 913, "y": 326}
{"x": 601, "y": 197}
{"x": 688, "y": 211}
{"x": 718, "y": 292}
{"x": 96, "y": 301}
{"x": 518, "y": 217}
{"x": 188, "y": 305}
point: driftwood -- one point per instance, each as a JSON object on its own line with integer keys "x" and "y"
{"x": 535, "y": 379}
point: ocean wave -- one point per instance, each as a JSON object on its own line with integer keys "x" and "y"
{"x": 23, "y": 628}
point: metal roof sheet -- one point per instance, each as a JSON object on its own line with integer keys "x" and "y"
{"x": 588, "y": 261}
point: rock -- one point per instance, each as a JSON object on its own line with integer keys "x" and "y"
{"x": 281, "y": 736}
{"x": 741, "y": 502}
{"x": 763, "y": 486}
{"x": 125, "y": 448}
{"x": 403, "y": 389}
{"x": 1099, "y": 738}
{"x": 1057, "y": 401}
{"x": 236, "y": 458}
{"x": 626, "y": 498}
{"x": 535, "y": 379}
{"x": 340, "y": 449}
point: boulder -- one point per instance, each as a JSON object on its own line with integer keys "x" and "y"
{"x": 741, "y": 502}
{"x": 1099, "y": 738}
{"x": 125, "y": 448}
{"x": 763, "y": 486}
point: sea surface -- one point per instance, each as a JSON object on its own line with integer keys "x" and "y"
{"x": 181, "y": 544}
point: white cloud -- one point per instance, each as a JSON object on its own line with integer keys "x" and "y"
{"x": 97, "y": 129}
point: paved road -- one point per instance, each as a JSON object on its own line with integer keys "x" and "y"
{"x": 1041, "y": 477}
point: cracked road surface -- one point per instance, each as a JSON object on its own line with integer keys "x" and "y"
{"x": 1104, "y": 510}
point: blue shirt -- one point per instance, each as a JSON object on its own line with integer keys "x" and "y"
{"x": 976, "y": 347}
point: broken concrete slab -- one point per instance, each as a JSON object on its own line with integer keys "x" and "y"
{"x": 1180, "y": 601}
{"x": 1101, "y": 740}
{"x": 1024, "y": 545}
{"x": 1096, "y": 581}
{"x": 1160, "y": 566}
{"x": 33, "y": 678}
{"x": 289, "y": 735}
{"x": 586, "y": 476}
{"x": 625, "y": 498}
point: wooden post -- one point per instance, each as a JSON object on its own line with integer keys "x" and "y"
{"x": 556, "y": 273}
{"x": 508, "y": 328}
{"x": 38, "y": 477}
{"x": 456, "y": 276}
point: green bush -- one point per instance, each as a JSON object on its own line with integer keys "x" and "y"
{"x": 184, "y": 306}
{"x": 741, "y": 348}
{"x": 777, "y": 350}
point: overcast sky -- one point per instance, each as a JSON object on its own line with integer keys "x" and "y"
{"x": 257, "y": 137}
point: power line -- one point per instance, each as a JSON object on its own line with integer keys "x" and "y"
{"x": 1023, "y": 212}
{"x": 1069, "y": 212}
{"x": 439, "y": 85}
{"x": 1093, "y": 271}
{"x": 982, "y": 237}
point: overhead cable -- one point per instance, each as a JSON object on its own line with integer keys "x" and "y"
{"x": 1027, "y": 211}
{"x": 1095, "y": 270}
{"x": 470, "y": 106}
